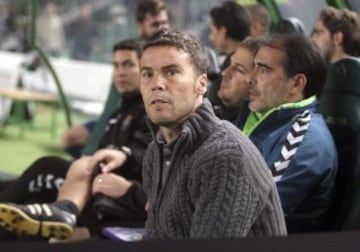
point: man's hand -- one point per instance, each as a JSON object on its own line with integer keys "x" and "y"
{"x": 111, "y": 158}
{"x": 74, "y": 136}
{"x": 111, "y": 185}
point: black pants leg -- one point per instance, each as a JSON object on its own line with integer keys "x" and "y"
{"x": 39, "y": 183}
{"x": 5, "y": 183}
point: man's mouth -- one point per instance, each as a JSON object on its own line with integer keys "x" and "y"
{"x": 122, "y": 82}
{"x": 158, "y": 101}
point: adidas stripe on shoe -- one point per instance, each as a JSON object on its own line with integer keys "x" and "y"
{"x": 45, "y": 220}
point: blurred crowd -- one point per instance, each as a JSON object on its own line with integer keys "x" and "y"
{"x": 77, "y": 26}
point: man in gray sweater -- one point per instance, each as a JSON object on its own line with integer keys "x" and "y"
{"x": 202, "y": 176}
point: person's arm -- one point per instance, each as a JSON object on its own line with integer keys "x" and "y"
{"x": 312, "y": 165}
{"x": 75, "y": 136}
{"x": 132, "y": 152}
{"x": 125, "y": 199}
{"x": 109, "y": 158}
{"x": 134, "y": 199}
{"x": 137, "y": 145}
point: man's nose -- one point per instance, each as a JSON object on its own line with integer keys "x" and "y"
{"x": 158, "y": 82}
{"x": 226, "y": 73}
{"x": 251, "y": 80}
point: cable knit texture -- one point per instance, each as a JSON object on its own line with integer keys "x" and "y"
{"x": 218, "y": 185}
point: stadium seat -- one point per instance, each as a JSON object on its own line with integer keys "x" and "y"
{"x": 291, "y": 25}
{"x": 340, "y": 106}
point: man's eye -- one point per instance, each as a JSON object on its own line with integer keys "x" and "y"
{"x": 239, "y": 69}
{"x": 129, "y": 64}
{"x": 171, "y": 72}
{"x": 264, "y": 69}
{"x": 155, "y": 24}
{"x": 146, "y": 74}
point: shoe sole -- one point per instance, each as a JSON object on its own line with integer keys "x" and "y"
{"x": 18, "y": 222}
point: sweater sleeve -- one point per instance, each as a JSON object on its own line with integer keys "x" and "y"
{"x": 227, "y": 203}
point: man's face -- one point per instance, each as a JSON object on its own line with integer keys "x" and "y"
{"x": 323, "y": 39}
{"x": 269, "y": 85}
{"x": 216, "y": 37}
{"x": 126, "y": 72}
{"x": 153, "y": 24}
{"x": 169, "y": 85}
{"x": 234, "y": 87}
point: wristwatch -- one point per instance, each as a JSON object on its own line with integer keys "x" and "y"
{"x": 126, "y": 150}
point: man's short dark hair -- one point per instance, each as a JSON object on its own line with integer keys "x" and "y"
{"x": 129, "y": 44}
{"x": 251, "y": 44}
{"x": 302, "y": 56}
{"x": 348, "y": 23}
{"x": 234, "y": 17}
{"x": 183, "y": 41}
{"x": 152, "y": 7}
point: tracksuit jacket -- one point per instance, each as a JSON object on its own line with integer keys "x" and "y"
{"x": 306, "y": 186}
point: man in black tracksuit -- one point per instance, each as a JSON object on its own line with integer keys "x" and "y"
{"x": 120, "y": 151}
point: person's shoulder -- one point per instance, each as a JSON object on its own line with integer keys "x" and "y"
{"x": 318, "y": 139}
{"x": 224, "y": 127}
{"x": 226, "y": 136}
{"x": 227, "y": 128}
{"x": 231, "y": 151}
{"x": 318, "y": 127}
{"x": 151, "y": 147}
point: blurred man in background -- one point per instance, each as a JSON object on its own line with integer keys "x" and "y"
{"x": 337, "y": 33}
{"x": 229, "y": 26}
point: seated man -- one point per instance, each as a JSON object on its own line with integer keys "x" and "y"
{"x": 260, "y": 20}
{"x": 234, "y": 87}
{"x": 202, "y": 176}
{"x": 151, "y": 16}
{"x": 122, "y": 146}
{"x": 229, "y": 25}
{"x": 282, "y": 122}
{"x": 337, "y": 33}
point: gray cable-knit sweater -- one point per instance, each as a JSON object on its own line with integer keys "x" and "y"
{"x": 218, "y": 185}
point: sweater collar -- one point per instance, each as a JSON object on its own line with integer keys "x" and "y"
{"x": 200, "y": 124}
{"x": 195, "y": 129}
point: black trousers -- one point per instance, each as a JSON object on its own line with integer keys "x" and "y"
{"x": 40, "y": 183}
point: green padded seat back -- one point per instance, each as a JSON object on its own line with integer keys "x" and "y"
{"x": 290, "y": 25}
{"x": 340, "y": 106}
{"x": 340, "y": 99}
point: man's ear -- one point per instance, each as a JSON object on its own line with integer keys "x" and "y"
{"x": 338, "y": 38}
{"x": 201, "y": 84}
{"x": 299, "y": 83}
